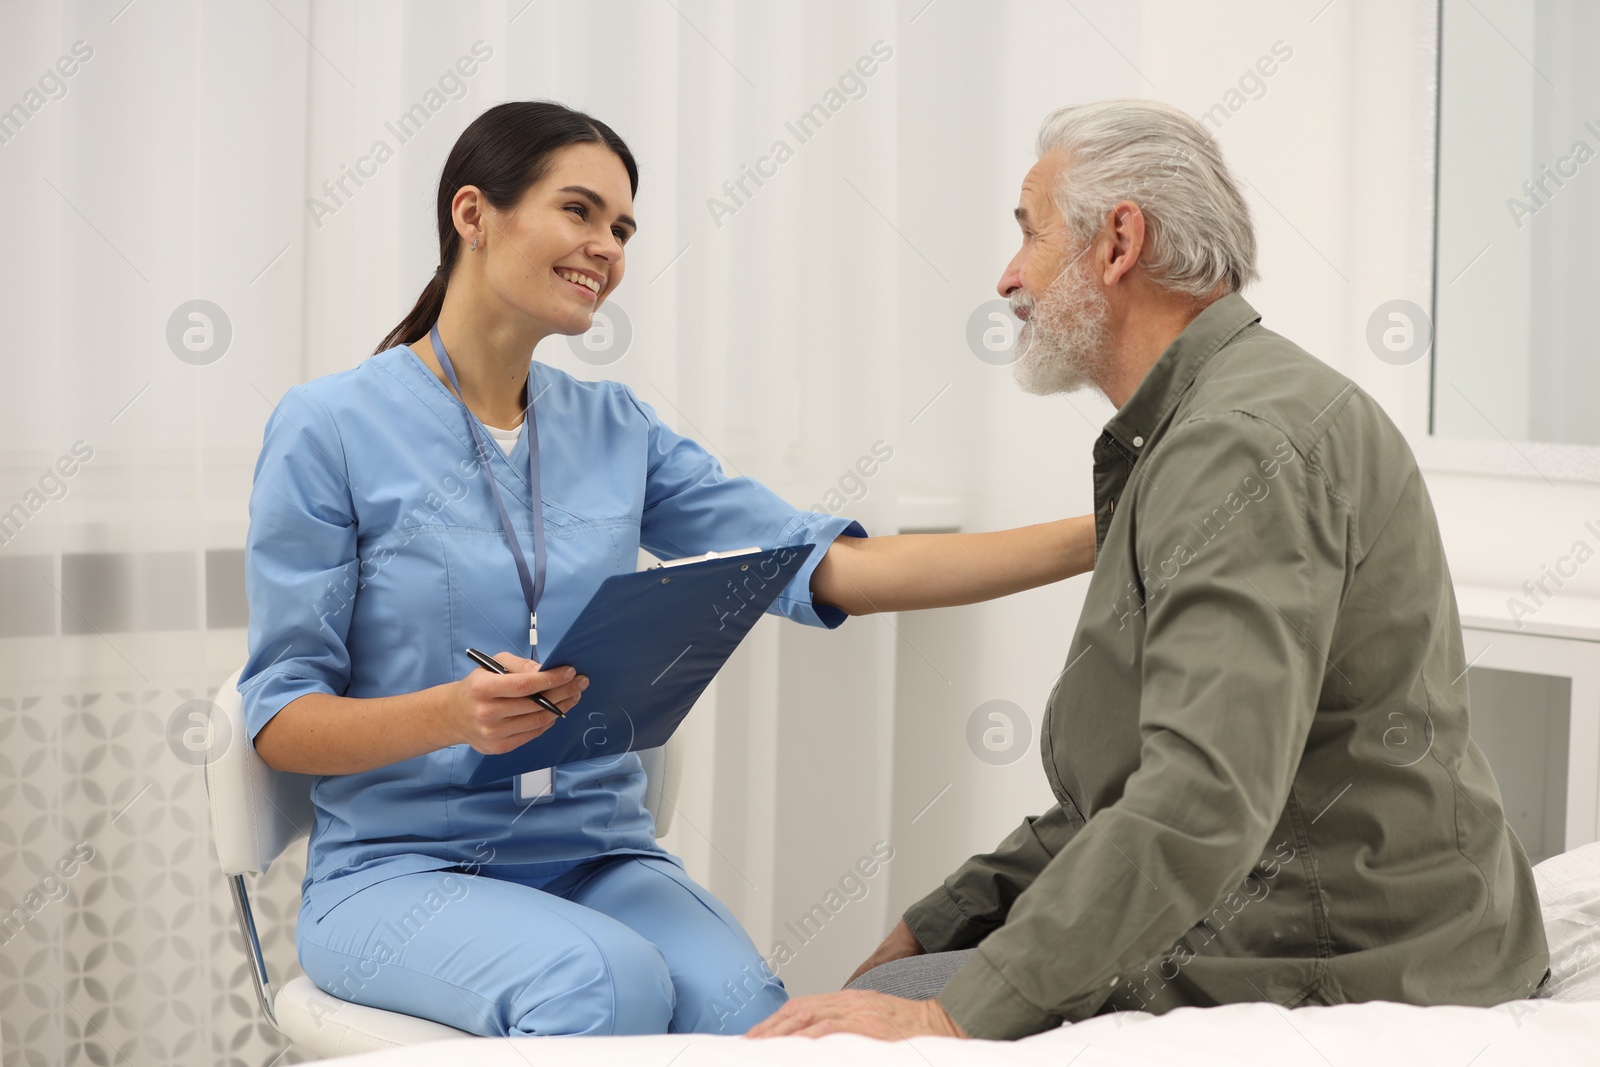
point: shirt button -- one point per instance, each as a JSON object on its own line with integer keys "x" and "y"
{"x": 1138, "y": 442}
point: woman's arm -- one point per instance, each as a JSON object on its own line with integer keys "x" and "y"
{"x": 324, "y": 734}
{"x": 910, "y": 571}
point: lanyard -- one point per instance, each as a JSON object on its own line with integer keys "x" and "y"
{"x": 532, "y": 586}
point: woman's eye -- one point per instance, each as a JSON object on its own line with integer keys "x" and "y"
{"x": 581, "y": 210}
{"x": 620, "y": 234}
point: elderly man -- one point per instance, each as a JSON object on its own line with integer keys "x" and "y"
{"x": 1258, "y": 744}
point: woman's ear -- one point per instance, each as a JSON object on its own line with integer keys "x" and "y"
{"x": 467, "y": 209}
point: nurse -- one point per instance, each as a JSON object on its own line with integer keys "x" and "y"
{"x": 450, "y": 492}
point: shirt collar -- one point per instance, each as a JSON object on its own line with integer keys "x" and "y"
{"x": 1175, "y": 370}
{"x": 456, "y": 418}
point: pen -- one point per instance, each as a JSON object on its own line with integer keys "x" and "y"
{"x": 483, "y": 660}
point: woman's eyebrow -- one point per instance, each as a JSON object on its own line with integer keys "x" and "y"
{"x": 598, "y": 201}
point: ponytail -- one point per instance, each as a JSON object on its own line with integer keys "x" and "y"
{"x": 502, "y": 153}
{"x": 422, "y": 317}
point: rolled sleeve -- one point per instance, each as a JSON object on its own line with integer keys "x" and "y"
{"x": 820, "y": 529}
{"x": 301, "y": 566}
{"x": 692, "y": 507}
{"x": 1231, "y": 671}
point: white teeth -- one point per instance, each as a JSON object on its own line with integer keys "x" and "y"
{"x": 582, "y": 279}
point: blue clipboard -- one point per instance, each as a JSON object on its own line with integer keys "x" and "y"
{"x": 650, "y": 643}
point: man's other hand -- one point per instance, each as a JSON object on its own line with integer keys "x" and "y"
{"x": 900, "y": 943}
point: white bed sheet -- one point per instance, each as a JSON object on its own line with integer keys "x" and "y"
{"x": 1379, "y": 1034}
{"x": 1563, "y": 1029}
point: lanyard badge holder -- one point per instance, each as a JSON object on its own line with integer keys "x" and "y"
{"x": 535, "y": 785}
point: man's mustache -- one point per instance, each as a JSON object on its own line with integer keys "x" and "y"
{"x": 1022, "y": 302}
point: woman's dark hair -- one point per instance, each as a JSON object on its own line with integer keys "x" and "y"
{"x": 504, "y": 151}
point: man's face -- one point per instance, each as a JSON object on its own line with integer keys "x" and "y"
{"x": 1065, "y": 340}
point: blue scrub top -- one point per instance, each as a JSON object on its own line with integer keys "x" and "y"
{"x": 375, "y": 557}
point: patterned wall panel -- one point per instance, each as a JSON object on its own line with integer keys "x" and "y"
{"x": 118, "y": 943}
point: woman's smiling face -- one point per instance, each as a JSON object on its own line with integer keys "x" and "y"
{"x": 559, "y": 252}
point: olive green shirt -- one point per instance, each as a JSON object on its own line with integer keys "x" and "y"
{"x": 1258, "y": 743}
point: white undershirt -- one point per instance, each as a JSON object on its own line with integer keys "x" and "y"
{"x": 507, "y": 438}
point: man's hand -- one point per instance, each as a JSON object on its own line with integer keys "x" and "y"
{"x": 900, "y": 943}
{"x": 858, "y": 1012}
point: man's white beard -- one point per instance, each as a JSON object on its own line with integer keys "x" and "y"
{"x": 1065, "y": 341}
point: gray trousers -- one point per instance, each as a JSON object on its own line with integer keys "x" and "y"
{"x": 915, "y": 977}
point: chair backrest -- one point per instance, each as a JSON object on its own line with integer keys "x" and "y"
{"x": 257, "y": 812}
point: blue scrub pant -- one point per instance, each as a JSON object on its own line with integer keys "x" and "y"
{"x": 620, "y": 945}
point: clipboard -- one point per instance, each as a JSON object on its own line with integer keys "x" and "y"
{"x": 650, "y": 643}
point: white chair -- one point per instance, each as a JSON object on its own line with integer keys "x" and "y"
{"x": 256, "y": 813}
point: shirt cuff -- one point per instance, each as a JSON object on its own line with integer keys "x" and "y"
{"x": 820, "y": 529}
{"x": 985, "y": 1005}
{"x": 938, "y": 922}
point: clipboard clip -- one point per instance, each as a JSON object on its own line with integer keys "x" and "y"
{"x": 708, "y": 555}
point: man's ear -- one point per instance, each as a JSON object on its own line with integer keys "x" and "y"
{"x": 1125, "y": 226}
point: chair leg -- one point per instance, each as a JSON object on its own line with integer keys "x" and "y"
{"x": 252, "y": 948}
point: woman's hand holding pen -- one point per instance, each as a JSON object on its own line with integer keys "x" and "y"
{"x": 492, "y": 712}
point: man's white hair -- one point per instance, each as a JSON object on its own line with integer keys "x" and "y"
{"x": 1198, "y": 232}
